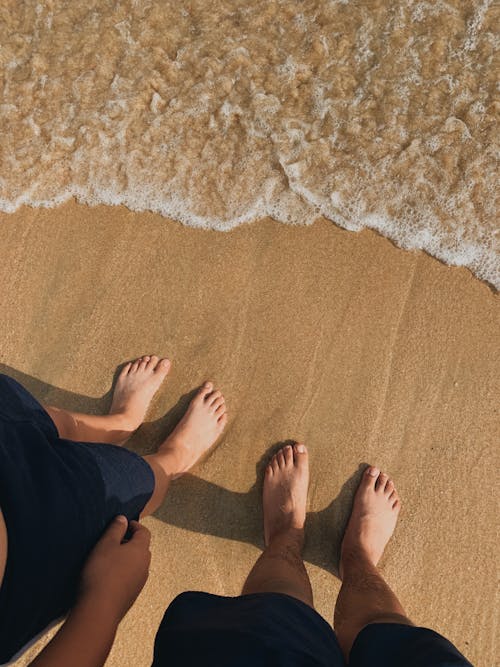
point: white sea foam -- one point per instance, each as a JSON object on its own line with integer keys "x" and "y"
{"x": 379, "y": 115}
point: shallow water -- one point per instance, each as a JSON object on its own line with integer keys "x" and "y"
{"x": 216, "y": 112}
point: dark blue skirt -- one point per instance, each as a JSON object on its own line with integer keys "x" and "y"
{"x": 57, "y": 498}
{"x": 275, "y": 630}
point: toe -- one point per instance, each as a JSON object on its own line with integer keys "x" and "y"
{"x": 370, "y": 477}
{"x": 135, "y": 365}
{"x": 144, "y": 362}
{"x": 299, "y": 453}
{"x": 124, "y": 371}
{"x": 389, "y": 487}
{"x": 222, "y": 421}
{"x": 280, "y": 457}
{"x": 163, "y": 366}
{"x": 396, "y": 505}
{"x": 205, "y": 389}
{"x": 274, "y": 464}
{"x": 288, "y": 455}
{"x": 381, "y": 481}
{"x": 214, "y": 397}
{"x": 153, "y": 360}
{"x": 269, "y": 470}
{"x": 220, "y": 408}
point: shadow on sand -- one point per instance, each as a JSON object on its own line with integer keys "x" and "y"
{"x": 203, "y": 507}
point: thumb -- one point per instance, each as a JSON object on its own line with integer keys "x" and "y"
{"x": 139, "y": 534}
{"x": 117, "y": 529}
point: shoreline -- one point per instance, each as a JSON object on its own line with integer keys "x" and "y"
{"x": 228, "y": 228}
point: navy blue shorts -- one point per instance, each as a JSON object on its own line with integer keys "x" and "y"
{"x": 275, "y": 630}
{"x": 57, "y": 498}
{"x": 403, "y": 646}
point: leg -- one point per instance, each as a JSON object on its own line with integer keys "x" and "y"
{"x": 364, "y": 596}
{"x": 197, "y": 431}
{"x": 280, "y": 568}
{"x": 136, "y": 385}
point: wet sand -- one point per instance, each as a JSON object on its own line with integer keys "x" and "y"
{"x": 367, "y": 352}
{"x": 379, "y": 115}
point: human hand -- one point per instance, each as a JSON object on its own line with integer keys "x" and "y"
{"x": 116, "y": 571}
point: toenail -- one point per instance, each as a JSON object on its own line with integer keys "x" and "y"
{"x": 301, "y": 448}
{"x": 373, "y": 472}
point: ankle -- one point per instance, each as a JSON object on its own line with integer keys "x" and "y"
{"x": 123, "y": 420}
{"x": 352, "y": 558}
{"x": 170, "y": 460}
{"x": 161, "y": 470}
{"x": 170, "y": 445}
{"x": 291, "y": 537}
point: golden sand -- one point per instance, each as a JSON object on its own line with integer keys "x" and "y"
{"x": 396, "y": 364}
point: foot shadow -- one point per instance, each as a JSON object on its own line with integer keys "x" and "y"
{"x": 61, "y": 398}
{"x": 200, "y": 506}
{"x": 148, "y": 438}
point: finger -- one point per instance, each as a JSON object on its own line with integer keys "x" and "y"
{"x": 139, "y": 533}
{"x": 117, "y": 529}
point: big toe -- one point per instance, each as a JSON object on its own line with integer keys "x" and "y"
{"x": 300, "y": 455}
{"x": 205, "y": 390}
{"x": 162, "y": 366}
{"x": 370, "y": 477}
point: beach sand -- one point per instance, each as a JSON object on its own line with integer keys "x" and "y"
{"x": 366, "y": 352}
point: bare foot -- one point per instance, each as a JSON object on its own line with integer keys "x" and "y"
{"x": 197, "y": 431}
{"x": 373, "y": 517}
{"x": 285, "y": 491}
{"x": 137, "y": 383}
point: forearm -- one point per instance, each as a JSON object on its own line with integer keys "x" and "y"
{"x": 84, "y": 640}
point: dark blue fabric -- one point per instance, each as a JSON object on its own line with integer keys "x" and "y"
{"x": 57, "y": 497}
{"x": 275, "y": 630}
{"x": 395, "y": 645}
{"x": 264, "y": 630}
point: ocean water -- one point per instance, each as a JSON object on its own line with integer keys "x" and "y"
{"x": 373, "y": 113}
